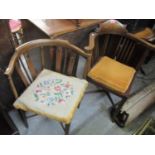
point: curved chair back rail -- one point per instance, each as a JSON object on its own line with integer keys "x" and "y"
{"x": 64, "y": 58}
{"x": 127, "y": 48}
{"x": 26, "y": 47}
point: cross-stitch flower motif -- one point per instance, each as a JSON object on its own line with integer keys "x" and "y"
{"x": 57, "y": 88}
{"x": 67, "y": 85}
{"x": 61, "y": 101}
{"x": 53, "y": 91}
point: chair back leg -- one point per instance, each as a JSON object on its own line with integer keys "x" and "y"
{"x": 118, "y": 116}
{"x": 23, "y": 117}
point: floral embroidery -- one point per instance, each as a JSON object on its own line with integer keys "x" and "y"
{"x": 53, "y": 91}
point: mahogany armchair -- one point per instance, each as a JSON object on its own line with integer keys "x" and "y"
{"x": 53, "y": 92}
{"x": 116, "y": 57}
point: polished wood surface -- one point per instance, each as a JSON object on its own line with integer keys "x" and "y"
{"x": 25, "y": 48}
{"x": 56, "y": 27}
{"x": 147, "y": 34}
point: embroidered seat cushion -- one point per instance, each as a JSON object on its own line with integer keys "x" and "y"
{"x": 53, "y": 95}
{"x": 112, "y": 74}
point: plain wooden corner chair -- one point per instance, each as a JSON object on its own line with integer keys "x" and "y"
{"x": 116, "y": 57}
{"x": 54, "y": 92}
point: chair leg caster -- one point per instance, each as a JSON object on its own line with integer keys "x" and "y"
{"x": 119, "y": 117}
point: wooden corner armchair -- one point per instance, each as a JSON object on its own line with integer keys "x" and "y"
{"x": 54, "y": 92}
{"x": 116, "y": 57}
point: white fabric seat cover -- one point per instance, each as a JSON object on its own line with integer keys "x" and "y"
{"x": 53, "y": 95}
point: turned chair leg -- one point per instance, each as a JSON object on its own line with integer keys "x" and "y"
{"x": 23, "y": 117}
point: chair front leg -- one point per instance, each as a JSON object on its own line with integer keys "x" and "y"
{"x": 110, "y": 98}
{"x": 66, "y": 128}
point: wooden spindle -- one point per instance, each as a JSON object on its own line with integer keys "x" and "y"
{"x": 75, "y": 65}
{"x": 53, "y": 57}
{"x": 13, "y": 86}
{"x": 64, "y": 64}
{"x": 118, "y": 46}
{"x": 71, "y": 63}
{"x": 130, "y": 52}
{"x": 121, "y": 49}
{"x": 128, "y": 47}
{"x": 124, "y": 52}
{"x": 106, "y": 41}
{"x": 42, "y": 57}
{"x": 31, "y": 67}
{"x": 59, "y": 57}
{"x": 24, "y": 68}
{"x": 21, "y": 74}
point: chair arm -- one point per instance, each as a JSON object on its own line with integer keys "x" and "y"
{"x": 91, "y": 45}
{"x": 144, "y": 42}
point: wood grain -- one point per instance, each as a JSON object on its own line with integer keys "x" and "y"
{"x": 56, "y": 27}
